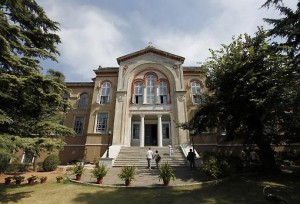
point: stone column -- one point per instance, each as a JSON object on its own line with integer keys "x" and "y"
{"x": 128, "y": 139}
{"x": 159, "y": 131}
{"x": 142, "y": 130}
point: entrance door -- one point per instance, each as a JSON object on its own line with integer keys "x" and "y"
{"x": 150, "y": 135}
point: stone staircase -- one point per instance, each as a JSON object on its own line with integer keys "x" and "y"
{"x": 136, "y": 156}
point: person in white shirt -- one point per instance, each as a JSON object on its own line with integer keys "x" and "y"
{"x": 149, "y": 156}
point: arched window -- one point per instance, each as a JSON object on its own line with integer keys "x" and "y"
{"x": 196, "y": 92}
{"x": 104, "y": 94}
{"x": 83, "y": 101}
{"x": 138, "y": 93}
{"x": 163, "y": 92}
{"x": 150, "y": 88}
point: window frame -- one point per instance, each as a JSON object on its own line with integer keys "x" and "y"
{"x": 104, "y": 93}
{"x": 169, "y": 132}
{"x": 83, "y": 101}
{"x": 132, "y": 130}
{"x": 150, "y": 89}
{"x": 163, "y": 97}
{"x": 98, "y": 123}
{"x": 138, "y": 97}
{"x": 83, "y": 123}
{"x": 195, "y": 92}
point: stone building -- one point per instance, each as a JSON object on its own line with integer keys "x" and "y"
{"x": 137, "y": 103}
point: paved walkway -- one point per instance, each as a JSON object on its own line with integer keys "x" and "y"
{"x": 146, "y": 177}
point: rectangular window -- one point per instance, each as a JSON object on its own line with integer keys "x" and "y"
{"x": 101, "y": 125}
{"x": 78, "y": 124}
{"x": 136, "y": 131}
{"x": 166, "y": 131}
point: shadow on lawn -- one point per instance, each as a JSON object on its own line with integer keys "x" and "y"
{"x": 12, "y": 197}
{"x": 240, "y": 189}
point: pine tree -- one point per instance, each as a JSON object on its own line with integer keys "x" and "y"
{"x": 31, "y": 104}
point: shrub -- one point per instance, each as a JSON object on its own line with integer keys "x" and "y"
{"x": 51, "y": 162}
{"x": 166, "y": 173}
{"x": 99, "y": 171}
{"x": 22, "y": 167}
{"x": 78, "y": 169}
{"x": 127, "y": 173}
{"x": 15, "y": 166}
{"x": 215, "y": 166}
{"x": 4, "y": 162}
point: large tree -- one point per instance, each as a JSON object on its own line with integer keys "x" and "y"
{"x": 286, "y": 28}
{"x": 31, "y": 104}
{"x": 253, "y": 95}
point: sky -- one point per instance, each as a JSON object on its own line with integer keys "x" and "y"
{"x": 96, "y": 32}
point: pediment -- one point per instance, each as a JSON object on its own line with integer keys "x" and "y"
{"x": 148, "y": 50}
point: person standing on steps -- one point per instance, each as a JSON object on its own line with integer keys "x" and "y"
{"x": 157, "y": 158}
{"x": 149, "y": 157}
{"x": 191, "y": 158}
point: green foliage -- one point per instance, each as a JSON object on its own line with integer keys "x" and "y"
{"x": 32, "y": 178}
{"x": 166, "y": 172}
{"x": 127, "y": 173}
{"x": 287, "y": 28}
{"x": 31, "y": 104}
{"x": 59, "y": 179}
{"x": 78, "y": 169}
{"x": 9, "y": 178}
{"x": 43, "y": 178}
{"x": 99, "y": 171}
{"x": 51, "y": 162}
{"x": 16, "y": 166}
{"x": 215, "y": 166}
{"x": 254, "y": 96}
{"x": 18, "y": 178}
{"x": 4, "y": 162}
{"x": 23, "y": 167}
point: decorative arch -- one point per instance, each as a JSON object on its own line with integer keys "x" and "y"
{"x": 155, "y": 92}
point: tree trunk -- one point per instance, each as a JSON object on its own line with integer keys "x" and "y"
{"x": 35, "y": 164}
{"x": 266, "y": 155}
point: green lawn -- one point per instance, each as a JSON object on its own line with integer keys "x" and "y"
{"x": 234, "y": 190}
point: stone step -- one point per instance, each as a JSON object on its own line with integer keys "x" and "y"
{"x": 136, "y": 156}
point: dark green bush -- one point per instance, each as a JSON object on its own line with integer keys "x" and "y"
{"x": 215, "y": 165}
{"x": 15, "y": 167}
{"x": 51, "y": 162}
{"x": 4, "y": 162}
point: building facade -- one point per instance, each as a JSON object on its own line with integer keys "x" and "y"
{"x": 137, "y": 103}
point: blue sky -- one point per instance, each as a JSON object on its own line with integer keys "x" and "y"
{"x": 96, "y": 32}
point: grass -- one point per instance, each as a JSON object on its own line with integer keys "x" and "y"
{"x": 234, "y": 190}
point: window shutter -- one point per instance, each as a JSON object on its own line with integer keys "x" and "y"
{"x": 168, "y": 98}
{"x": 133, "y": 99}
{"x": 108, "y": 99}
